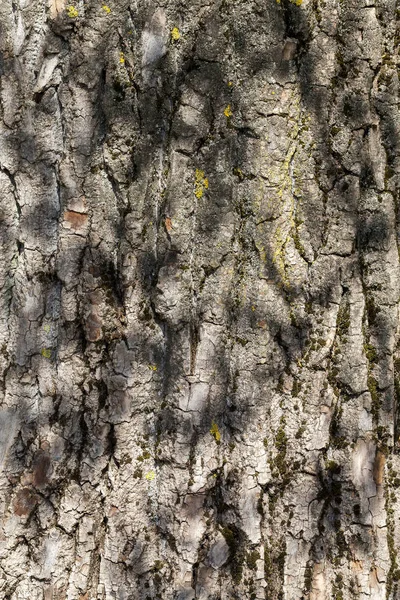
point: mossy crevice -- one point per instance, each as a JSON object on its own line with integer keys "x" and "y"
{"x": 235, "y": 540}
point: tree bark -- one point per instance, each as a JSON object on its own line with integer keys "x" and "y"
{"x": 199, "y": 281}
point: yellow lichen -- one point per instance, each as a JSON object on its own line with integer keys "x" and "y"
{"x": 46, "y": 328}
{"x": 228, "y": 112}
{"x": 215, "y": 432}
{"x": 72, "y": 12}
{"x": 175, "y": 34}
{"x": 230, "y": 84}
{"x": 153, "y": 367}
{"x": 239, "y": 173}
{"x": 150, "y": 476}
{"x": 46, "y": 352}
{"x": 201, "y": 183}
{"x": 106, "y": 9}
{"x": 121, "y": 58}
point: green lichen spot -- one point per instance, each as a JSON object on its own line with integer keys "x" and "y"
{"x": 252, "y": 558}
{"x": 158, "y": 565}
{"x": 46, "y": 352}
{"x": 72, "y": 12}
{"x": 333, "y": 467}
{"x": 308, "y": 577}
{"x": 234, "y": 541}
{"x": 281, "y": 440}
{"x": 215, "y": 432}
{"x": 150, "y": 476}
{"x": 370, "y": 353}
{"x": 343, "y": 320}
{"x": 239, "y": 173}
{"x": 146, "y": 455}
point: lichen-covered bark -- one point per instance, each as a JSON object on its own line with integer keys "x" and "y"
{"x": 199, "y": 318}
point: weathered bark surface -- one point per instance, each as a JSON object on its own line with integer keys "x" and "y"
{"x": 199, "y": 300}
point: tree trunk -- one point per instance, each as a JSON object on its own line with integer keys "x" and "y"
{"x": 199, "y": 300}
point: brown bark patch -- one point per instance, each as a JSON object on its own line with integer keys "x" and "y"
{"x": 379, "y": 466}
{"x": 93, "y": 328}
{"x": 49, "y": 593}
{"x": 41, "y": 468}
{"x": 56, "y": 6}
{"x": 95, "y": 298}
{"x": 356, "y": 567}
{"x": 289, "y": 49}
{"x": 168, "y": 224}
{"x": 75, "y": 220}
{"x": 24, "y": 502}
{"x": 373, "y": 580}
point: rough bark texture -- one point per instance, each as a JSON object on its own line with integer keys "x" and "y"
{"x": 199, "y": 300}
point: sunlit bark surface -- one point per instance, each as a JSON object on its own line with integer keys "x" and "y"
{"x": 199, "y": 289}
